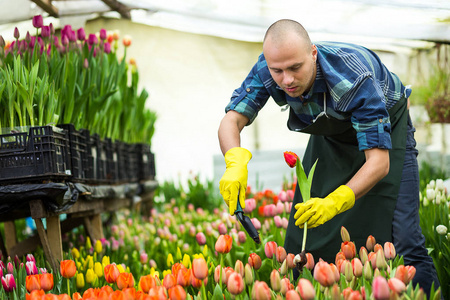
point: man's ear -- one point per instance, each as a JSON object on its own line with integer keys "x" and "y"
{"x": 314, "y": 52}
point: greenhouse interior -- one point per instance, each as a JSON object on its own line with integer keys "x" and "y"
{"x": 259, "y": 149}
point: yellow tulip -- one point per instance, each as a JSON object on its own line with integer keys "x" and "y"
{"x": 105, "y": 261}
{"x": 90, "y": 276}
{"x": 120, "y": 267}
{"x": 98, "y": 246}
{"x": 169, "y": 260}
{"x": 186, "y": 261}
{"x": 88, "y": 243}
{"x": 79, "y": 265}
{"x": 165, "y": 272}
{"x": 154, "y": 273}
{"x": 75, "y": 253}
{"x": 178, "y": 256}
{"x": 80, "y": 280}
{"x": 98, "y": 269}
{"x": 198, "y": 255}
{"x": 89, "y": 262}
{"x": 205, "y": 250}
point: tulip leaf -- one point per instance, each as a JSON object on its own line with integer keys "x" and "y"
{"x": 217, "y": 293}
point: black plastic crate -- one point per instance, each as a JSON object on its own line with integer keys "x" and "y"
{"x": 146, "y": 162}
{"x": 78, "y": 152}
{"x": 96, "y": 159}
{"x": 112, "y": 163}
{"x": 41, "y": 154}
{"x": 133, "y": 162}
{"x": 125, "y": 162}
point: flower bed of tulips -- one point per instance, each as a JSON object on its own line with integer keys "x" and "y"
{"x": 183, "y": 252}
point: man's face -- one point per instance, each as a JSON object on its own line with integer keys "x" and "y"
{"x": 292, "y": 64}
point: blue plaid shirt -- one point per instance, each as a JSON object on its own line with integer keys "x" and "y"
{"x": 357, "y": 86}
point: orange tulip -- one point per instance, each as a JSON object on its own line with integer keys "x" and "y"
{"x": 129, "y": 293}
{"x": 126, "y": 40}
{"x": 280, "y": 254}
{"x": 176, "y": 267}
{"x": 197, "y": 283}
{"x": 68, "y": 268}
{"x": 158, "y": 292}
{"x": 254, "y": 261}
{"x": 292, "y": 295}
{"x": 286, "y": 286}
{"x": 169, "y": 281}
{"x": 77, "y": 296}
{"x": 235, "y": 283}
{"x": 370, "y": 243}
{"x": 377, "y": 247}
{"x": 147, "y": 282}
{"x": 46, "y": 281}
{"x": 183, "y": 277}
{"x": 117, "y": 295}
{"x": 32, "y": 282}
{"x": 270, "y": 249}
{"x": 349, "y": 249}
{"x": 323, "y": 273}
{"x": 290, "y": 260}
{"x": 223, "y": 243}
{"x": 125, "y": 280}
{"x": 405, "y": 273}
{"x": 357, "y": 267}
{"x": 35, "y": 294}
{"x": 111, "y": 273}
{"x": 177, "y": 292}
{"x": 396, "y": 285}
{"x": 291, "y": 158}
{"x": 309, "y": 261}
{"x": 90, "y": 293}
{"x": 275, "y": 280}
{"x": 200, "y": 268}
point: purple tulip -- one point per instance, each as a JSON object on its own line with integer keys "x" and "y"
{"x": 45, "y": 31}
{"x": 66, "y": 29}
{"x": 81, "y": 34}
{"x": 28, "y": 37}
{"x": 64, "y": 40}
{"x": 9, "y": 283}
{"x": 38, "y": 21}
{"x": 10, "y": 268}
{"x": 16, "y": 33}
{"x": 103, "y": 34}
{"x": 2, "y": 45}
{"x": 201, "y": 238}
{"x": 52, "y": 28}
{"x": 92, "y": 40}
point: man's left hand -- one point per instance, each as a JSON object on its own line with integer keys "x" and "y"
{"x": 317, "y": 211}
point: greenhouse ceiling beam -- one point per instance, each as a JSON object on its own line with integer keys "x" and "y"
{"x": 123, "y": 10}
{"x": 48, "y": 7}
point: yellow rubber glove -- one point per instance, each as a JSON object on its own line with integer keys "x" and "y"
{"x": 234, "y": 180}
{"x": 317, "y": 211}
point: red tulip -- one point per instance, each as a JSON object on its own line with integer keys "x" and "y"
{"x": 306, "y": 289}
{"x": 291, "y": 158}
{"x": 323, "y": 273}
{"x": 223, "y": 243}
{"x": 380, "y": 288}
{"x": 68, "y": 268}
{"x": 200, "y": 268}
{"x": 270, "y": 249}
{"x": 235, "y": 283}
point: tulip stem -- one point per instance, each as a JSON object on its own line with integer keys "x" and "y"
{"x": 221, "y": 270}
{"x": 305, "y": 229}
{"x": 68, "y": 288}
{"x": 203, "y": 290}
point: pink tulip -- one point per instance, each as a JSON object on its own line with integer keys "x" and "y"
{"x": 290, "y": 261}
{"x": 306, "y": 289}
{"x": 380, "y": 288}
{"x": 92, "y": 39}
{"x": 309, "y": 261}
{"x": 10, "y": 268}
{"x": 200, "y": 268}
{"x": 389, "y": 250}
{"x": 217, "y": 272}
{"x": 270, "y": 210}
{"x": 290, "y": 195}
{"x": 102, "y": 34}
{"x": 242, "y": 237}
{"x": 286, "y": 285}
{"x": 38, "y": 21}
{"x": 278, "y": 222}
{"x": 284, "y": 223}
{"x": 201, "y": 238}
{"x": 292, "y": 295}
{"x": 31, "y": 268}
{"x": 357, "y": 267}
{"x": 282, "y": 196}
{"x": 222, "y": 228}
{"x": 275, "y": 280}
{"x": 279, "y": 208}
{"x": 270, "y": 249}
{"x": 256, "y": 223}
{"x": 397, "y": 285}
{"x": 235, "y": 283}
{"x": 324, "y": 274}
{"x": 239, "y": 267}
{"x": 254, "y": 260}
{"x": 143, "y": 257}
{"x": 261, "y": 291}
{"x": 9, "y": 283}
{"x": 250, "y": 205}
{"x": 224, "y": 243}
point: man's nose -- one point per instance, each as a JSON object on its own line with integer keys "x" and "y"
{"x": 288, "y": 79}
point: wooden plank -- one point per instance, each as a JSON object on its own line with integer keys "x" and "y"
{"x": 10, "y": 234}
{"x": 45, "y": 244}
{"x": 122, "y": 9}
{"x": 54, "y": 237}
{"x": 48, "y": 7}
{"x": 97, "y": 226}
{"x": 24, "y": 247}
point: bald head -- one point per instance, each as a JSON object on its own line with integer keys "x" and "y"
{"x": 283, "y": 31}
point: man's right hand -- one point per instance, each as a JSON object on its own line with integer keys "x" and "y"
{"x": 234, "y": 180}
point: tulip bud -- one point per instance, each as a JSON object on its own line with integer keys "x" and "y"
{"x": 90, "y": 276}
{"x": 380, "y": 260}
{"x": 248, "y": 274}
{"x": 380, "y": 288}
{"x": 291, "y": 158}
{"x": 45, "y": 31}
{"x": 38, "y": 21}
{"x": 357, "y": 267}
{"x": 80, "y": 280}
{"x": 370, "y": 243}
{"x": 285, "y": 285}
{"x": 345, "y": 236}
{"x": 363, "y": 255}
{"x": 126, "y": 40}
{"x": 275, "y": 280}
{"x": 292, "y": 295}
{"x": 270, "y": 249}
{"x": 16, "y": 33}
{"x": 102, "y": 34}
{"x": 396, "y": 285}
{"x": 254, "y": 261}
{"x": 306, "y": 289}
{"x": 235, "y": 283}
{"x": 367, "y": 270}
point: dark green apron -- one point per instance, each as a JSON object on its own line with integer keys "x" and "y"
{"x": 333, "y": 142}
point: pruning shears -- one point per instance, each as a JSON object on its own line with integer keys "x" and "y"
{"x": 247, "y": 223}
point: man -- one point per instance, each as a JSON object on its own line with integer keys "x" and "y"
{"x": 361, "y": 134}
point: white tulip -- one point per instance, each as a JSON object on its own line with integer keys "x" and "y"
{"x": 440, "y": 184}
{"x": 431, "y": 194}
{"x": 441, "y": 229}
{"x": 432, "y": 184}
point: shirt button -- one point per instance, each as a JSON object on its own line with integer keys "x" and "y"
{"x": 380, "y": 120}
{"x": 248, "y": 90}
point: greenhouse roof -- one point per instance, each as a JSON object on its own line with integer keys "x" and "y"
{"x": 384, "y": 24}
